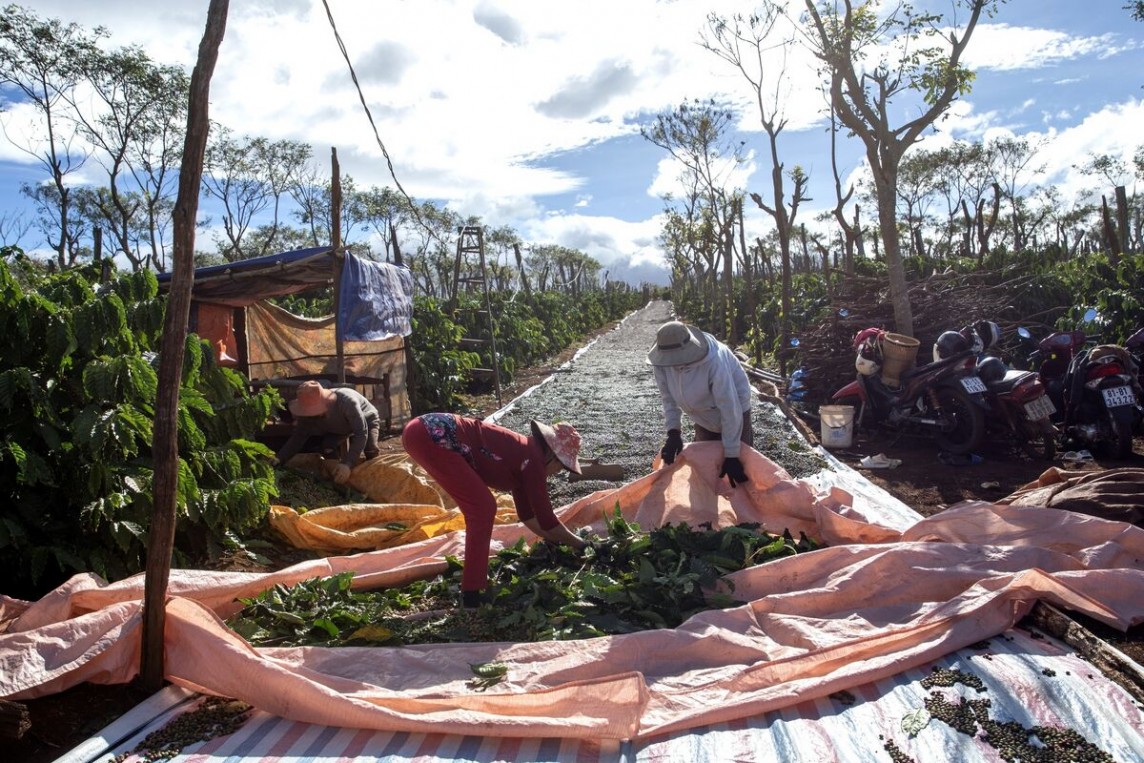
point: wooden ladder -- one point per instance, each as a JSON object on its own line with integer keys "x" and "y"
{"x": 470, "y": 272}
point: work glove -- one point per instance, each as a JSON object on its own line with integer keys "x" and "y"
{"x": 341, "y": 473}
{"x": 733, "y": 471}
{"x": 672, "y": 447}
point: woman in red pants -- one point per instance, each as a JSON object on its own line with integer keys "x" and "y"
{"x": 468, "y": 456}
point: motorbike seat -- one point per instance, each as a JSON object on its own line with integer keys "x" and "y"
{"x": 1013, "y": 378}
{"x": 929, "y": 367}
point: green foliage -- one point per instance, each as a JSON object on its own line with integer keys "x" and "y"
{"x": 440, "y": 368}
{"x": 78, "y": 383}
{"x": 528, "y": 331}
{"x": 629, "y": 581}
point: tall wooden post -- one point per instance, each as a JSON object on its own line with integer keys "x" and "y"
{"x": 165, "y": 449}
{"x": 339, "y": 260}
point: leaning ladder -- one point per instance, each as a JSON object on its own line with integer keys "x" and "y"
{"x": 471, "y": 260}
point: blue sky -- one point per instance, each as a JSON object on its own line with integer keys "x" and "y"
{"x": 526, "y": 112}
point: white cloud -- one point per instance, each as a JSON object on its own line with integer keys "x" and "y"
{"x": 474, "y": 98}
{"x": 1007, "y": 47}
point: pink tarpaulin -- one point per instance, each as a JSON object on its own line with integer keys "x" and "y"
{"x": 877, "y": 601}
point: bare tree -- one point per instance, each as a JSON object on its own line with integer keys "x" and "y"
{"x": 1012, "y": 160}
{"x": 696, "y": 134}
{"x": 748, "y": 43}
{"x": 43, "y": 61}
{"x": 129, "y": 117}
{"x": 13, "y": 228}
{"x": 919, "y": 53}
{"x": 251, "y": 177}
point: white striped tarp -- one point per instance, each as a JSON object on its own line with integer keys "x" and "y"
{"x": 1029, "y": 678}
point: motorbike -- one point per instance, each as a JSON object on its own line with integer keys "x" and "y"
{"x": 1022, "y": 407}
{"x": 1096, "y": 389}
{"x": 1051, "y": 362}
{"x": 1135, "y": 347}
{"x": 943, "y": 399}
{"x": 1102, "y": 399}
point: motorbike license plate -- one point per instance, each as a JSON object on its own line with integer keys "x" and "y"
{"x": 1039, "y": 408}
{"x": 1114, "y": 397}
{"x": 973, "y": 384}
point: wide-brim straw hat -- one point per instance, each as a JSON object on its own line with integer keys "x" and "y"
{"x": 677, "y": 344}
{"x": 563, "y": 440}
{"x": 312, "y": 399}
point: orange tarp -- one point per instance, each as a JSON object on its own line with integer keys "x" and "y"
{"x": 877, "y": 601}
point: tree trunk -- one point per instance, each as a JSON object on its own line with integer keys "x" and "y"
{"x": 859, "y": 245}
{"x": 165, "y": 451}
{"x": 728, "y": 283}
{"x": 891, "y": 243}
{"x": 397, "y": 260}
{"x": 520, "y": 268}
{"x": 1122, "y": 218}
{"x": 1112, "y": 240}
{"x": 967, "y": 231}
{"x": 748, "y": 275}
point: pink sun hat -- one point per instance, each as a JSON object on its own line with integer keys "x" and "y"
{"x": 312, "y": 399}
{"x": 563, "y": 440}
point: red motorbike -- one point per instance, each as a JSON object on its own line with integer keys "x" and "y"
{"x": 943, "y": 399}
{"x": 1022, "y": 407}
{"x": 1135, "y": 347}
{"x": 1102, "y": 399}
{"x": 1096, "y": 389}
{"x": 1051, "y": 361}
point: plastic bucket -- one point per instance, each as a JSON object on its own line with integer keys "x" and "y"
{"x": 837, "y": 425}
{"x": 899, "y": 353}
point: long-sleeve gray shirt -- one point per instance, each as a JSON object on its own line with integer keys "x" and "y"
{"x": 350, "y": 415}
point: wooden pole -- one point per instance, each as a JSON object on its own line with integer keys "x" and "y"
{"x": 336, "y": 244}
{"x": 161, "y": 538}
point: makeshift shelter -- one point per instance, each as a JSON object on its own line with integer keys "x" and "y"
{"x": 361, "y": 345}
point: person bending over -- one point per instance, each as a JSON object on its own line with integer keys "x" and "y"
{"x": 700, "y": 376}
{"x": 469, "y": 458}
{"x": 333, "y": 415}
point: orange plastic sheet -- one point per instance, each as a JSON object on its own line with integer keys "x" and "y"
{"x": 875, "y": 602}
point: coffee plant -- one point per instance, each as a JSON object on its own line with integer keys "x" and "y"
{"x": 529, "y": 329}
{"x": 78, "y": 380}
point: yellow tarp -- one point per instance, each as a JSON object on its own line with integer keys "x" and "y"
{"x": 407, "y": 507}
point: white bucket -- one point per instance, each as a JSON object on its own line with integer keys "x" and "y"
{"x": 837, "y": 425}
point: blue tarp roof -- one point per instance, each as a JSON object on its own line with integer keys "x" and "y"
{"x": 274, "y": 275}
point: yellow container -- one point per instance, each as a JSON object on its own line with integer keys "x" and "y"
{"x": 899, "y": 354}
{"x": 837, "y": 425}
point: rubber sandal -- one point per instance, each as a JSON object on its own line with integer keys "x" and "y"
{"x": 880, "y": 461}
{"x": 1077, "y": 456}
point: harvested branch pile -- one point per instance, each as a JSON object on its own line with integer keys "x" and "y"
{"x": 940, "y": 302}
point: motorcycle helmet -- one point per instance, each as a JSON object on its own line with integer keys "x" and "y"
{"x": 866, "y": 366}
{"x": 948, "y": 344}
{"x": 865, "y": 336}
{"x": 989, "y": 333}
{"x": 991, "y": 370}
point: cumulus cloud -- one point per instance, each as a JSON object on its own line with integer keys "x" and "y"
{"x": 476, "y": 100}
{"x": 582, "y": 97}
{"x": 384, "y": 63}
{"x": 1007, "y": 47}
{"x": 499, "y": 23}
